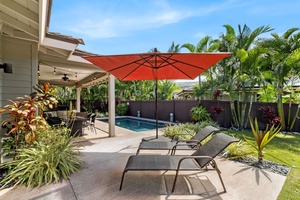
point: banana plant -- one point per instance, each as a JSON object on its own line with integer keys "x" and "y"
{"x": 262, "y": 138}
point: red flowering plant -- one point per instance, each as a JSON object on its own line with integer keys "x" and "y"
{"x": 217, "y": 94}
{"x": 270, "y": 115}
{"x": 216, "y": 109}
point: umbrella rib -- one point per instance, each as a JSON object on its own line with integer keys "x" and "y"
{"x": 133, "y": 62}
{"x": 169, "y": 58}
{"x": 166, "y": 61}
{"x": 145, "y": 59}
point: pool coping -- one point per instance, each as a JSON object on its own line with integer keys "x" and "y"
{"x": 161, "y": 122}
{"x": 141, "y": 118}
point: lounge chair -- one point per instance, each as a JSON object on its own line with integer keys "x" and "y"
{"x": 172, "y": 146}
{"x": 199, "y": 160}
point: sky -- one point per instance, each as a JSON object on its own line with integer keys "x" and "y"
{"x": 110, "y": 27}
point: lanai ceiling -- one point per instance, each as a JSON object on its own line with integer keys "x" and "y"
{"x": 58, "y": 54}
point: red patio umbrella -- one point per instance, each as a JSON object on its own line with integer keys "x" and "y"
{"x": 157, "y": 66}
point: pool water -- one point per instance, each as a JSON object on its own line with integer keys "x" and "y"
{"x": 136, "y": 125}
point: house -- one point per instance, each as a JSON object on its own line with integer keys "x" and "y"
{"x": 188, "y": 94}
{"x": 30, "y": 54}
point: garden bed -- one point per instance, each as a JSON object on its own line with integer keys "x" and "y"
{"x": 265, "y": 165}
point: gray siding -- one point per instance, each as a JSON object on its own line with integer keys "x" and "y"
{"x": 22, "y": 55}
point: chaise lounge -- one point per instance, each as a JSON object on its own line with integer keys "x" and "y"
{"x": 172, "y": 146}
{"x": 199, "y": 160}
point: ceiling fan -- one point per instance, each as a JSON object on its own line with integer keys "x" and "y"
{"x": 65, "y": 78}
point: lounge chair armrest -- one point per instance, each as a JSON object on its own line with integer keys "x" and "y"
{"x": 191, "y": 157}
{"x": 185, "y": 144}
{"x": 192, "y": 145}
{"x": 178, "y": 141}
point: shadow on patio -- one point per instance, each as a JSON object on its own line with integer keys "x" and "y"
{"x": 105, "y": 159}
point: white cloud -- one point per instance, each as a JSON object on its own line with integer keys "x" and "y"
{"x": 94, "y": 22}
{"x": 112, "y": 26}
{"x": 92, "y": 29}
{"x": 169, "y": 17}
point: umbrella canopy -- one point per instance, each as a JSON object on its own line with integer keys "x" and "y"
{"x": 157, "y": 66}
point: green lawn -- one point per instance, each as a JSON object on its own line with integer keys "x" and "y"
{"x": 283, "y": 149}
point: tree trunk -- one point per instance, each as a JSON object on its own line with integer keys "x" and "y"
{"x": 200, "y": 82}
{"x": 280, "y": 106}
{"x": 294, "y": 119}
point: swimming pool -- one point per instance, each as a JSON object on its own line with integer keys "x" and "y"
{"x": 136, "y": 124}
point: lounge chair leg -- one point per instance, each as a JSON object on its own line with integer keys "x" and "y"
{"x": 138, "y": 151}
{"x": 219, "y": 173}
{"x": 121, "y": 184}
{"x": 173, "y": 150}
{"x": 214, "y": 164}
{"x": 175, "y": 180}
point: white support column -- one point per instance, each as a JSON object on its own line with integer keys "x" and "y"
{"x": 111, "y": 105}
{"x": 78, "y": 90}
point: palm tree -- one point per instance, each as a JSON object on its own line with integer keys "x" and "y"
{"x": 144, "y": 90}
{"x": 206, "y": 44}
{"x": 283, "y": 60}
{"x": 174, "y": 48}
{"x": 166, "y": 89}
{"x": 102, "y": 96}
{"x": 64, "y": 94}
{"x": 234, "y": 71}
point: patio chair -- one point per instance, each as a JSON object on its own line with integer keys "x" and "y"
{"x": 199, "y": 160}
{"x": 172, "y": 146}
{"x": 76, "y": 126}
{"x": 91, "y": 122}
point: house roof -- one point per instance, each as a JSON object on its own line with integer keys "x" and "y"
{"x": 66, "y": 38}
{"x": 57, "y": 53}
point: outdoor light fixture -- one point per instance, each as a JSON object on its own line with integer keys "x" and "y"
{"x": 39, "y": 75}
{"x": 76, "y": 74}
{"x": 7, "y": 67}
{"x": 54, "y": 72}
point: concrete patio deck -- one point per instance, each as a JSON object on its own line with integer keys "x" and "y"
{"x": 105, "y": 159}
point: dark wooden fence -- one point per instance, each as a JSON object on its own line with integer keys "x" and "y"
{"x": 180, "y": 110}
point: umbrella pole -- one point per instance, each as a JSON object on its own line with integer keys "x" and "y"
{"x": 156, "y": 85}
{"x": 156, "y": 113}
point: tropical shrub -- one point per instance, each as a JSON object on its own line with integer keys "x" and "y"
{"x": 51, "y": 157}
{"x": 236, "y": 150}
{"x": 199, "y": 114}
{"x": 216, "y": 109}
{"x": 262, "y": 138}
{"x": 199, "y": 125}
{"x": 269, "y": 115}
{"x": 185, "y": 131}
{"x": 21, "y": 117}
{"x": 122, "y": 109}
{"x": 178, "y": 132}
